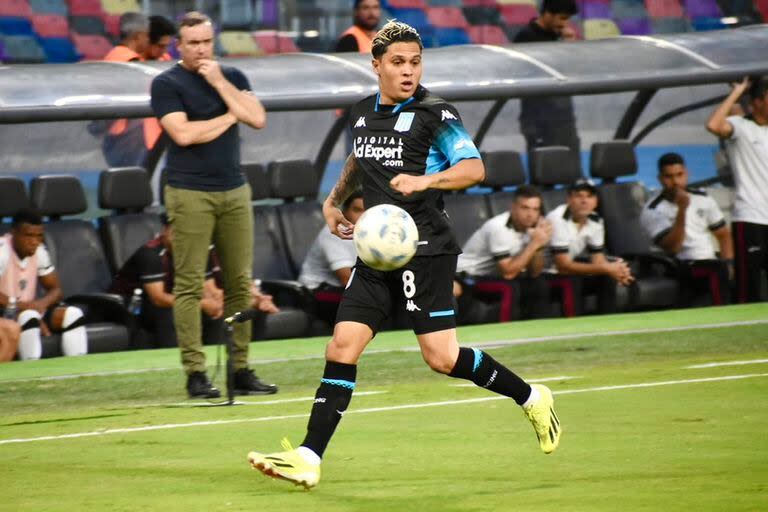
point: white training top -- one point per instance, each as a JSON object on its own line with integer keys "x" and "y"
{"x": 495, "y": 240}
{"x": 328, "y": 254}
{"x": 748, "y": 154}
{"x": 702, "y": 216}
{"x": 568, "y": 237}
{"x": 18, "y": 278}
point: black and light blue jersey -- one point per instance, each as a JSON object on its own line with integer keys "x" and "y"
{"x": 422, "y": 135}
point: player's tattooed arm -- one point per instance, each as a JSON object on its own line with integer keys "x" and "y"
{"x": 464, "y": 174}
{"x": 349, "y": 181}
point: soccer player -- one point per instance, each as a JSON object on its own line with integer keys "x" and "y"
{"x": 409, "y": 146}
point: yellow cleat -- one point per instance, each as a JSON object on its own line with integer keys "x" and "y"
{"x": 545, "y": 422}
{"x": 288, "y": 465}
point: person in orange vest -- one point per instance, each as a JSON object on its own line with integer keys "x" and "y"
{"x": 124, "y": 141}
{"x": 358, "y": 37}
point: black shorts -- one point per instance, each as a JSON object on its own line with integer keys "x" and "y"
{"x": 423, "y": 289}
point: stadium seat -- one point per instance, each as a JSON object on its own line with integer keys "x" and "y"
{"x": 390, "y": 5}
{"x": 236, "y": 14}
{"x": 706, "y": 23}
{"x": 272, "y": 41}
{"x": 737, "y": 7}
{"x": 634, "y": 26}
{"x": 414, "y": 17}
{"x": 487, "y": 34}
{"x": 600, "y": 29}
{"x": 85, "y": 8}
{"x": 78, "y": 254}
{"x": 446, "y": 17}
{"x": 112, "y": 25}
{"x": 50, "y": 25}
{"x": 22, "y": 50}
{"x": 466, "y": 213}
{"x": 20, "y": 8}
{"x": 664, "y": 8}
{"x": 58, "y": 7}
{"x": 445, "y": 3}
{"x": 518, "y": 14}
{"x": 91, "y": 47}
{"x": 451, "y": 36}
{"x": 503, "y": 169}
{"x": 482, "y": 15}
{"x": 15, "y": 26}
{"x": 620, "y": 206}
{"x": 126, "y": 191}
{"x": 296, "y": 182}
{"x": 59, "y": 50}
{"x": 533, "y": 3}
{"x": 239, "y": 43}
{"x": 3, "y": 57}
{"x": 88, "y": 25}
{"x": 762, "y": 7}
{"x": 13, "y": 197}
{"x": 480, "y": 3}
{"x": 669, "y": 25}
{"x": 628, "y": 9}
{"x": 120, "y": 6}
{"x": 702, "y": 9}
{"x": 591, "y": 9}
{"x": 553, "y": 166}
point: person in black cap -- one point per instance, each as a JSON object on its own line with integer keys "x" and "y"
{"x": 577, "y": 250}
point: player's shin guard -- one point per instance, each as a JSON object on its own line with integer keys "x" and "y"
{"x": 477, "y": 366}
{"x": 74, "y": 340}
{"x": 30, "y": 345}
{"x": 331, "y": 401}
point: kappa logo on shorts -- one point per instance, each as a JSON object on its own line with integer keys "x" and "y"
{"x": 411, "y": 306}
{"x": 447, "y": 114}
{"x": 360, "y": 122}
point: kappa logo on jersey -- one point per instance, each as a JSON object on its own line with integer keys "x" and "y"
{"x": 404, "y": 121}
{"x": 360, "y": 122}
{"x": 411, "y": 306}
{"x": 388, "y": 148}
{"x": 446, "y": 114}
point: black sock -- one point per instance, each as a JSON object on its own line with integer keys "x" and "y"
{"x": 331, "y": 400}
{"x": 477, "y": 366}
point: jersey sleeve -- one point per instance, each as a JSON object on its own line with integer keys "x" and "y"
{"x": 339, "y": 253}
{"x": 655, "y": 224}
{"x": 596, "y": 238}
{"x": 44, "y": 264}
{"x": 149, "y": 266}
{"x": 498, "y": 241}
{"x": 714, "y": 216}
{"x": 238, "y": 79}
{"x": 737, "y": 122}
{"x": 560, "y": 241}
{"x": 164, "y": 98}
{"x": 451, "y": 142}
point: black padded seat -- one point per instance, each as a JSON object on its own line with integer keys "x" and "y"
{"x": 127, "y": 191}
{"x": 79, "y": 258}
{"x": 13, "y": 197}
{"x": 551, "y": 167}
{"x": 466, "y": 213}
{"x": 503, "y": 169}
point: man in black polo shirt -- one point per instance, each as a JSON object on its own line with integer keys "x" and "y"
{"x": 549, "y": 121}
{"x": 200, "y": 105}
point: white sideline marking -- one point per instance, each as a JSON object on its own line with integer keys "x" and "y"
{"x": 545, "y": 379}
{"x": 241, "y": 402}
{"x": 486, "y": 345}
{"x": 148, "y": 428}
{"x": 725, "y": 363}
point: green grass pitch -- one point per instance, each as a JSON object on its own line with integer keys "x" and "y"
{"x": 642, "y": 430}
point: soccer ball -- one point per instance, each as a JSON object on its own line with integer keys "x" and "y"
{"x": 386, "y": 238}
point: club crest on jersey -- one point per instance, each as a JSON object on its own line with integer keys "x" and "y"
{"x": 360, "y": 122}
{"x": 404, "y": 121}
{"x": 447, "y": 114}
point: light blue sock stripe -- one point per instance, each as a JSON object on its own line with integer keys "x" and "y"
{"x": 445, "y": 312}
{"x": 478, "y": 359}
{"x": 337, "y": 382}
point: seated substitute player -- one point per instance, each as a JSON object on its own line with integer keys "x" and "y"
{"x": 681, "y": 220}
{"x": 24, "y": 261}
{"x": 576, "y": 249}
{"x": 409, "y": 146}
{"x": 330, "y": 259}
{"x": 510, "y": 246}
{"x": 151, "y": 269}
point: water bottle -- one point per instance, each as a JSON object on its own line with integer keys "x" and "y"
{"x": 134, "y": 307}
{"x": 10, "y": 309}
